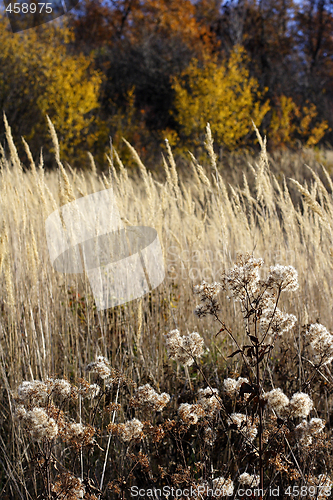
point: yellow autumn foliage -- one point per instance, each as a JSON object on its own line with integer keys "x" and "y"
{"x": 223, "y": 95}
{"x": 289, "y": 122}
{"x": 38, "y": 77}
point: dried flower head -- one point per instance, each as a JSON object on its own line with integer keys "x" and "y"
{"x": 305, "y": 431}
{"x": 277, "y": 401}
{"x": 78, "y": 434}
{"x": 207, "y": 291}
{"x": 232, "y": 386}
{"x": 279, "y": 322}
{"x": 190, "y": 414}
{"x": 285, "y": 278}
{"x": 132, "y": 429}
{"x": 321, "y": 340}
{"x": 222, "y": 487}
{"x": 68, "y": 487}
{"x": 101, "y": 367}
{"x": 300, "y": 405}
{"x": 316, "y": 425}
{"x": 147, "y": 396}
{"x": 20, "y": 413}
{"x": 245, "y": 424}
{"x": 183, "y": 349}
{"x": 39, "y": 424}
{"x": 208, "y": 294}
{"x": 89, "y": 390}
{"x": 59, "y": 387}
{"x": 249, "y": 479}
{"x": 33, "y": 393}
{"x": 243, "y": 279}
{"x": 209, "y": 401}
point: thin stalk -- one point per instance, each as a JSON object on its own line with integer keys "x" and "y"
{"x": 109, "y": 442}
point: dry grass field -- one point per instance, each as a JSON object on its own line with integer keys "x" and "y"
{"x": 67, "y": 436}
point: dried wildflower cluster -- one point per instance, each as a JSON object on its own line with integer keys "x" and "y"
{"x": 243, "y": 279}
{"x": 184, "y": 348}
{"x": 190, "y": 413}
{"x": 300, "y": 404}
{"x": 208, "y": 296}
{"x": 321, "y": 340}
{"x": 37, "y": 413}
{"x": 251, "y": 480}
{"x": 38, "y": 423}
{"x": 307, "y": 431}
{"x": 225, "y": 486}
{"x": 285, "y": 278}
{"x": 128, "y": 431}
{"x": 207, "y": 406}
{"x": 147, "y": 396}
{"x": 258, "y": 296}
{"x": 232, "y": 387}
{"x": 34, "y": 393}
{"x": 220, "y": 487}
{"x": 276, "y": 320}
{"x": 37, "y": 410}
{"x": 245, "y": 424}
{"x": 69, "y": 487}
{"x": 78, "y": 434}
{"x": 209, "y": 400}
{"x": 249, "y": 421}
{"x": 101, "y": 366}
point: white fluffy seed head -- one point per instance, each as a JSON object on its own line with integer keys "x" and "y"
{"x": 249, "y": 479}
{"x": 230, "y": 387}
{"x": 222, "y": 487}
{"x": 101, "y": 367}
{"x": 276, "y": 320}
{"x": 244, "y": 424}
{"x": 60, "y": 387}
{"x": 321, "y": 340}
{"x": 147, "y": 396}
{"x": 244, "y": 277}
{"x": 190, "y": 414}
{"x": 132, "y": 429}
{"x": 283, "y": 277}
{"x": 316, "y": 425}
{"x": 208, "y": 401}
{"x": 33, "y": 392}
{"x": 183, "y": 349}
{"x": 40, "y": 425}
{"x": 277, "y": 401}
{"x": 300, "y": 405}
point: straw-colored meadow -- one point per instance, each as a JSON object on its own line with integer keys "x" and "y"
{"x": 220, "y": 389}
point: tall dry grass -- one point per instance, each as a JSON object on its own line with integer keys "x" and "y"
{"x": 49, "y": 325}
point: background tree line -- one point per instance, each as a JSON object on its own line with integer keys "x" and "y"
{"x": 151, "y": 69}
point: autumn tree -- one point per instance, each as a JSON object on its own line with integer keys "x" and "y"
{"x": 290, "y": 51}
{"x": 39, "y": 77}
{"x": 223, "y": 95}
{"x": 139, "y": 46}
